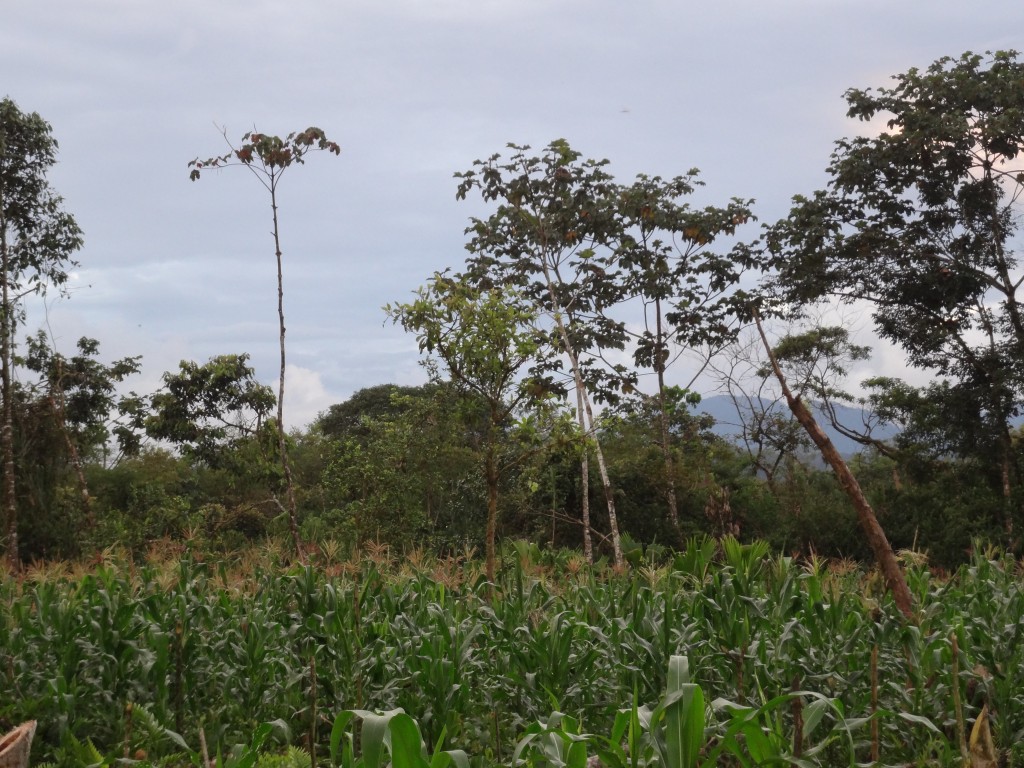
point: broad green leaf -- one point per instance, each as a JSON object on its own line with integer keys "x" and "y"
{"x": 919, "y": 720}
{"x": 576, "y": 757}
{"x": 372, "y": 735}
{"x": 813, "y": 714}
{"x": 684, "y": 716}
{"x": 406, "y": 743}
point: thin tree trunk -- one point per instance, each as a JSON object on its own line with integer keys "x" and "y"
{"x": 666, "y": 448}
{"x": 602, "y": 468}
{"x": 10, "y": 505}
{"x": 588, "y": 544}
{"x": 1006, "y": 444}
{"x": 57, "y": 407}
{"x": 282, "y": 443}
{"x": 886, "y": 558}
{"x": 491, "y": 470}
{"x": 556, "y": 310}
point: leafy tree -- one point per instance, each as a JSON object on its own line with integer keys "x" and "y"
{"x": 634, "y": 436}
{"x": 554, "y": 212}
{"x": 880, "y": 546}
{"x": 405, "y": 472}
{"x": 484, "y": 339}
{"x": 921, "y": 222}
{"x": 78, "y": 394}
{"x": 689, "y": 292}
{"x": 209, "y": 410}
{"x": 348, "y": 419}
{"x": 37, "y": 240}
{"x": 268, "y": 157}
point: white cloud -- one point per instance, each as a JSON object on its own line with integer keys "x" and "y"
{"x": 304, "y": 396}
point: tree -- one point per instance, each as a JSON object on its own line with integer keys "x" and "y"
{"x": 484, "y": 338}
{"x": 690, "y": 293}
{"x": 404, "y": 467}
{"x": 876, "y": 537}
{"x": 554, "y": 211}
{"x": 37, "y": 240}
{"x": 79, "y": 395}
{"x": 348, "y": 419}
{"x": 208, "y": 410}
{"x": 921, "y": 223}
{"x": 634, "y": 435}
{"x": 268, "y": 157}
{"x": 768, "y": 433}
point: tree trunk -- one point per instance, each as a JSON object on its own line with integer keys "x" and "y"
{"x": 588, "y": 545}
{"x": 1006, "y": 478}
{"x": 491, "y": 470}
{"x": 57, "y": 407}
{"x": 10, "y": 505}
{"x": 570, "y": 351}
{"x": 666, "y": 448}
{"x": 886, "y": 558}
{"x": 602, "y": 468}
{"x": 282, "y": 443}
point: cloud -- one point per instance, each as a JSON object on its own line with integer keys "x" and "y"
{"x": 750, "y": 92}
{"x": 305, "y": 396}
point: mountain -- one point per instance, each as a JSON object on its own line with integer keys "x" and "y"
{"x": 723, "y": 411}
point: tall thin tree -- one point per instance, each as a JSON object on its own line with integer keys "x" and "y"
{"x": 268, "y": 157}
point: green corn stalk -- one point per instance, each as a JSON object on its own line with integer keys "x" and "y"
{"x": 387, "y": 738}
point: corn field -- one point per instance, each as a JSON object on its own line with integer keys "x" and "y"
{"x": 719, "y": 655}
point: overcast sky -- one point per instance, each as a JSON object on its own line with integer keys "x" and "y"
{"x": 749, "y": 91}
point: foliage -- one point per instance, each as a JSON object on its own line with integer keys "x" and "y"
{"x": 406, "y": 474}
{"x": 37, "y": 240}
{"x": 38, "y": 235}
{"x": 690, "y": 292}
{"x": 209, "y": 410}
{"x": 82, "y": 393}
{"x": 920, "y": 221}
{"x": 484, "y": 339}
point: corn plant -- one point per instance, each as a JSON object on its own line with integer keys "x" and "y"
{"x": 389, "y": 738}
{"x": 117, "y": 654}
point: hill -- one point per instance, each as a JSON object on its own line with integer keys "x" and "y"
{"x": 727, "y": 422}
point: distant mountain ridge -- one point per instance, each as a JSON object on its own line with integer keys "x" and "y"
{"x": 723, "y": 411}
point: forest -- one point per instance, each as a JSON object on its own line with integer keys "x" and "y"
{"x": 548, "y": 507}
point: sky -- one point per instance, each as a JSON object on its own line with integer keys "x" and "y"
{"x": 748, "y": 91}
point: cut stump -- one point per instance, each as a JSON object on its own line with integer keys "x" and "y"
{"x": 16, "y": 745}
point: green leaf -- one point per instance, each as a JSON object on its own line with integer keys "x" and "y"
{"x": 918, "y": 720}
{"x": 406, "y": 743}
{"x": 372, "y": 735}
{"x": 684, "y": 716}
{"x": 341, "y": 723}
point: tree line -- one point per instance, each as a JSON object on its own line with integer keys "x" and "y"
{"x": 564, "y": 344}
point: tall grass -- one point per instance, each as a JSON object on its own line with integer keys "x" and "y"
{"x": 153, "y": 658}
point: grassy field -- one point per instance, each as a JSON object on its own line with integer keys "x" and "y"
{"x": 721, "y": 655}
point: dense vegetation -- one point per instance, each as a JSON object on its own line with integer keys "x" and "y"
{"x": 136, "y": 658}
{"x": 401, "y": 466}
